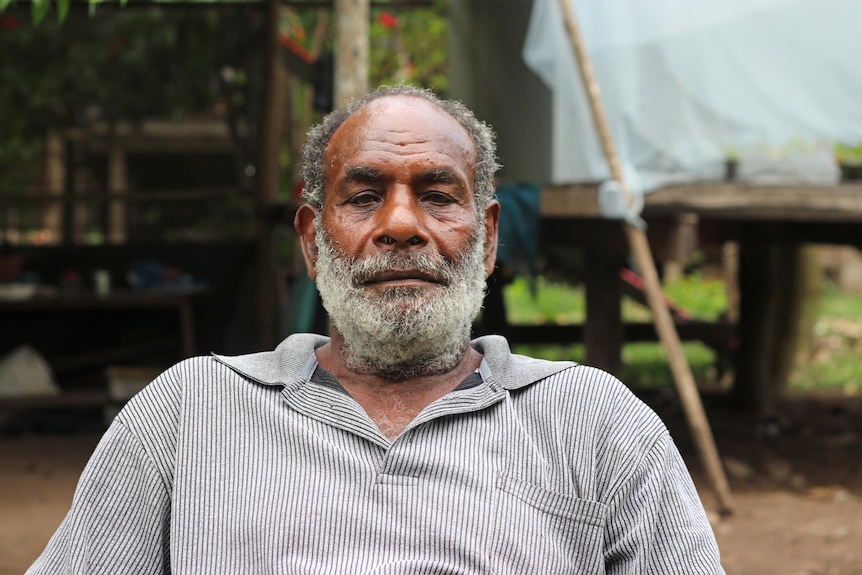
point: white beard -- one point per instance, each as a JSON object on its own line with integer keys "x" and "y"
{"x": 405, "y": 331}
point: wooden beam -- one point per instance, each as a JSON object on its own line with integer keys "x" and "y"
{"x": 351, "y": 50}
{"x": 721, "y": 201}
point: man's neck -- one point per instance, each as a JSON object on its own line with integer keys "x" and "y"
{"x": 393, "y": 403}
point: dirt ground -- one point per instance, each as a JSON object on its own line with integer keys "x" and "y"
{"x": 796, "y": 479}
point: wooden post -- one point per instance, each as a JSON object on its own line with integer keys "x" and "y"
{"x": 268, "y": 179}
{"x": 80, "y": 211}
{"x": 604, "y": 333}
{"x": 351, "y": 50}
{"x": 640, "y": 249}
{"x": 751, "y": 384}
{"x": 117, "y": 184}
{"x": 55, "y": 183}
{"x": 67, "y": 235}
{"x": 730, "y": 275}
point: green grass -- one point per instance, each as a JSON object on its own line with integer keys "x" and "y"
{"x": 842, "y": 371}
{"x": 835, "y": 358}
{"x": 837, "y": 304}
{"x": 834, "y": 362}
{"x": 645, "y": 365}
{"x": 554, "y": 303}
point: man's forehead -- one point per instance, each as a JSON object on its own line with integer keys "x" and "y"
{"x": 404, "y": 114}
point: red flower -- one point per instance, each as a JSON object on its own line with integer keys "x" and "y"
{"x": 388, "y": 20}
{"x": 8, "y": 22}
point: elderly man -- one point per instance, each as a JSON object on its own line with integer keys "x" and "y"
{"x": 397, "y": 445}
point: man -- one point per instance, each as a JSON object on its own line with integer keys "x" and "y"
{"x": 396, "y": 445}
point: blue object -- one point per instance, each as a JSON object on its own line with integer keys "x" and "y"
{"x": 518, "y": 245}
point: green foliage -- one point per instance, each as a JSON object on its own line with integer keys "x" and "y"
{"x": 834, "y": 360}
{"x": 39, "y": 10}
{"x": 556, "y": 303}
{"x": 836, "y": 304}
{"x": 848, "y": 155}
{"x": 705, "y": 298}
{"x": 116, "y": 65}
{"x": 645, "y": 365}
{"x": 574, "y": 352}
{"x": 843, "y": 371}
{"x": 409, "y": 46}
{"x": 832, "y": 363}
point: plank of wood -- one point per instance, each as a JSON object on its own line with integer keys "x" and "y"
{"x": 727, "y": 201}
{"x": 839, "y": 203}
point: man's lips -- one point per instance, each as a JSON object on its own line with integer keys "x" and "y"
{"x": 402, "y": 277}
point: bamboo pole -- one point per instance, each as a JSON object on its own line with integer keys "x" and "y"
{"x": 639, "y": 246}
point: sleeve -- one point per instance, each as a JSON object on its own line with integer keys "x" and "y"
{"x": 657, "y": 524}
{"x": 119, "y": 521}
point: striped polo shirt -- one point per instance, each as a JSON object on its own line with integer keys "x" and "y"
{"x": 247, "y": 464}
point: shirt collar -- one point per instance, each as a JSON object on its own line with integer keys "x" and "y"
{"x": 291, "y": 361}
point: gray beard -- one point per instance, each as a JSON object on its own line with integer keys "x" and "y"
{"x": 404, "y": 332}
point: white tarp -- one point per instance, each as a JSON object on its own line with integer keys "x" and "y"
{"x": 687, "y": 83}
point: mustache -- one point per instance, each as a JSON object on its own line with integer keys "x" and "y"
{"x": 434, "y": 267}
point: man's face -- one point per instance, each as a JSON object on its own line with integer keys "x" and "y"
{"x": 402, "y": 250}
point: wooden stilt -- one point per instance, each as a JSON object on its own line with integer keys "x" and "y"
{"x": 604, "y": 333}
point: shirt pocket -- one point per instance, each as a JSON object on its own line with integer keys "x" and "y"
{"x": 537, "y": 530}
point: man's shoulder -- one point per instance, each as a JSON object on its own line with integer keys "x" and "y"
{"x": 571, "y": 398}
{"x": 207, "y": 378}
{"x": 514, "y": 371}
{"x": 287, "y": 361}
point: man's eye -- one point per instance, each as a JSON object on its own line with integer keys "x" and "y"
{"x": 364, "y": 199}
{"x": 438, "y": 198}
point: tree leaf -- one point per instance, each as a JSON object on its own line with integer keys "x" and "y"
{"x": 39, "y": 8}
{"x": 92, "y": 4}
{"x": 4, "y": 4}
{"x": 62, "y": 10}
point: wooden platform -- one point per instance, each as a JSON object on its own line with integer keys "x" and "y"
{"x": 721, "y": 201}
{"x": 768, "y": 223}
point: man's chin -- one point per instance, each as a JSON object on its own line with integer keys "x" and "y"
{"x": 406, "y": 291}
{"x": 399, "y": 367}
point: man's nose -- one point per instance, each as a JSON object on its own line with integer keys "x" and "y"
{"x": 401, "y": 220}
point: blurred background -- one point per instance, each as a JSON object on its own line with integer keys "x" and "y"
{"x": 149, "y": 176}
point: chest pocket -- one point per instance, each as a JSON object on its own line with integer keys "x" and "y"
{"x": 540, "y": 531}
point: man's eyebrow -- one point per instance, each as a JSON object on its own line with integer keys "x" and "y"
{"x": 438, "y": 176}
{"x": 362, "y": 174}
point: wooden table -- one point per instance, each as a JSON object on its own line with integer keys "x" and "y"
{"x": 758, "y": 217}
{"x": 78, "y": 400}
{"x": 180, "y": 300}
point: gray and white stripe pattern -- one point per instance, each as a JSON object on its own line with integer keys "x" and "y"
{"x": 245, "y": 465}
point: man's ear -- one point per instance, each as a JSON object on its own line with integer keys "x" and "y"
{"x": 307, "y": 233}
{"x": 492, "y": 221}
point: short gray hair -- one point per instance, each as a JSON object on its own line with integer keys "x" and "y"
{"x": 319, "y": 135}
